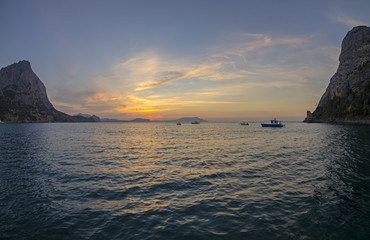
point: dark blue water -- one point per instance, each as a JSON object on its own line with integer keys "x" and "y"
{"x": 163, "y": 181}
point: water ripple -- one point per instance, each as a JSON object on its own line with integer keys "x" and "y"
{"x": 162, "y": 181}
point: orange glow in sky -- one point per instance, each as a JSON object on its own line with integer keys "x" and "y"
{"x": 173, "y": 59}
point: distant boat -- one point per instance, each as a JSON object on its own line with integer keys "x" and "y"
{"x": 244, "y": 123}
{"x": 273, "y": 123}
{"x": 178, "y": 123}
{"x": 195, "y": 122}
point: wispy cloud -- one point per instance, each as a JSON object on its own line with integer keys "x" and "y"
{"x": 348, "y": 21}
{"x": 150, "y": 70}
{"x": 251, "y": 68}
{"x": 252, "y": 42}
{"x": 165, "y": 77}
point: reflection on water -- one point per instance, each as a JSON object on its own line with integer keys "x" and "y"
{"x": 163, "y": 181}
{"x": 342, "y": 201}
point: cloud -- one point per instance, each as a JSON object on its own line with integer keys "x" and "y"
{"x": 341, "y": 18}
{"x": 250, "y": 68}
{"x": 149, "y": 69}
{"x": 97, "y": 97}
{"x": 145, "y": 64}
{"x": 249, "y": 43}
{"x": 165, "y": 77}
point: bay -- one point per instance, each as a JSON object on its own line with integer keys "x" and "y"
{"x": 164, "y": 181}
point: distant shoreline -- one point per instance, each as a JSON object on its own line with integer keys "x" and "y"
{"x": 342, "y": 122}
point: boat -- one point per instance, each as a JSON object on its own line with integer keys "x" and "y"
{"x": 178, "y": 123}
{"x": 244, "y": 123}
{"x": 273, "y": 123}
{"x": 195, "y": 122}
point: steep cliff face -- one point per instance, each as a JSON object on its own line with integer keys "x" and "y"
{"x": 23, "y": 97}
{"x": 347, "y": 98}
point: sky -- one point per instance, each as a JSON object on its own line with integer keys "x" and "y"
{"x": 167, "y": 59}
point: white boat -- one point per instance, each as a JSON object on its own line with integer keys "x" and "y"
{"x": 273, "y": 123}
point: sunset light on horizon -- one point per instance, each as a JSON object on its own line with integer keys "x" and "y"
{"x": 170, "y": 59}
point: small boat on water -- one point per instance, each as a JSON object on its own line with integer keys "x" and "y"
{"x": 244, "y": 123}
{"x": 195, "y": 122}
{"x": 178, "y": 123}
{"x": 273, "y": 123}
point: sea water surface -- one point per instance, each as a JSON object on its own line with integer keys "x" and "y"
{"x": 163, "y": 181}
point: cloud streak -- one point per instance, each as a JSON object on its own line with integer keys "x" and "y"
{"x": 348, "y": 21}
{"x": 253, "y": 69}
{"x": 149, "y": 70}
{"x": 165, "y": 78}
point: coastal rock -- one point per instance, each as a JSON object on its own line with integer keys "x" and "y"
{"x": 140, "y": 120}
{"x": 23, "y": 97}
{"x": 347, "y": 97}
{"x": 85, "y": 115}
{"x": 309, "y": 117}
{"x": 21, "y": 85}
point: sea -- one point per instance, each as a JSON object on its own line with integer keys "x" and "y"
{"x": 159, "y": 180}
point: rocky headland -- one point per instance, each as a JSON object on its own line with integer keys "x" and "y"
{"x": 23, "y": 97}
{"x": 347, "y": 97}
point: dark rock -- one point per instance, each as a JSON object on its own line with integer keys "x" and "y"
{"x": 23, "y": 97}
{"x": 140, "y": 120}
{"x": 85, "y": 115}
{"x": 95, "y": 118}
{"x": 309, "y": 118}
{"x": 347, "y": 97}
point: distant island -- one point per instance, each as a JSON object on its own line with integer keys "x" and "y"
{"x": 190, "y": 119}
{"x": 98, "y": 119}
{"x": 347, "y": 97}
{"x": 140, "y": 120}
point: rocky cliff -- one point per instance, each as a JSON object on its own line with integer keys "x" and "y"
{"x": 23, "y": 97}
{"x": 347, "y": 97}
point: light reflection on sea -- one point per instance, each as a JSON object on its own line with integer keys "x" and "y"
{"x": 163, "y": 181}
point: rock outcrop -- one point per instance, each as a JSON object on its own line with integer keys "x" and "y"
{"x": 23, "y": 97}
{"x": 347, "y": 97}
{"x": 309, "y": 117}
{"x": 85, "y": 115}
